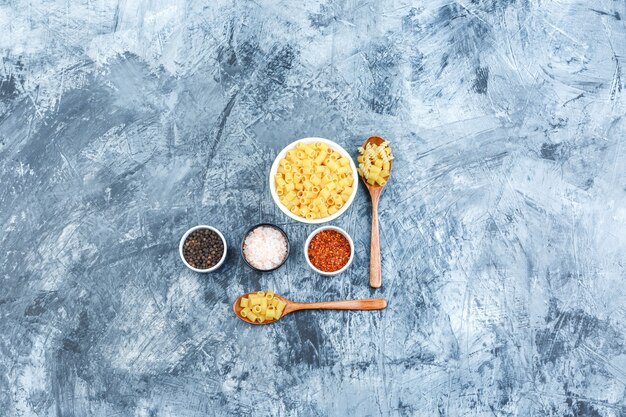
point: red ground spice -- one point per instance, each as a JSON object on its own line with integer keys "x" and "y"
{"x": 329, "y": 251}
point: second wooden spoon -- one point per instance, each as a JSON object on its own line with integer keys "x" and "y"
{"x": 376, "y": 278}
{"x": 291, "y": 306}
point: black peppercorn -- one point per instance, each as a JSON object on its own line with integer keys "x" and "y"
{"x": 203, "y": 248}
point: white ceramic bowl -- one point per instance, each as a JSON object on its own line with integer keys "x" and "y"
{"x": 182, "y": 242}
{"x": 316, "y": 231}
{"x": 331, "y": 145}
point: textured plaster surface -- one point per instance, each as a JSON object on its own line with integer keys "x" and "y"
{"x": 503, "y": 229}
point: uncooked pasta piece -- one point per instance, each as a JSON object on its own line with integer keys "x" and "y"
{"x": 251, "y": 316}
{"x": 279, "y": 308}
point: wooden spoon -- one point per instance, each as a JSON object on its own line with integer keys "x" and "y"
{"x": 376, "y": 279}
{"x": 291, "y": 306}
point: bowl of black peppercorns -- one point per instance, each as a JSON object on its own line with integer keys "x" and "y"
{"x": 203, "y": 248}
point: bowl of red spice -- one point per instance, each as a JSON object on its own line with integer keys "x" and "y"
{"x": 329, "y": 250}
{"x": 203, "y": 248}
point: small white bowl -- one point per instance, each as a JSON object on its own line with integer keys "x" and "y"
{"x": 334, "y": 146}
{"x": 182, "y": 242}
{"x": 316, "y": 231}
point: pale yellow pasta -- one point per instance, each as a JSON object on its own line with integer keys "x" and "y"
{"x": 261, "y": 306}
{"x": 315, "y": 179}
{"x": 312, "y": 179}
{"x": 279, "y": 309}
{"x": 375, "y": 163}
{"x": 290, "y": 196}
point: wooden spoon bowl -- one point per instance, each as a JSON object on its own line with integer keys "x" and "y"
{"x": 376, "y": 140}
{"x": 291, "y": 306}
{"x": 376, "y": 279}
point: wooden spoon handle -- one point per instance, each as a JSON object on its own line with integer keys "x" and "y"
{"x": 365, "y": 304}
{"x": 376, "y": 278}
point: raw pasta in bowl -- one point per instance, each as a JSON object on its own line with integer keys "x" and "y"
{"x": 313, "y": 180}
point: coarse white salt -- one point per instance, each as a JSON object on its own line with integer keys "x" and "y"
{"x": 265, "y": 247}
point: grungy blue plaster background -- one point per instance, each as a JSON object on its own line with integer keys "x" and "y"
{"x": 503, "y": 228}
